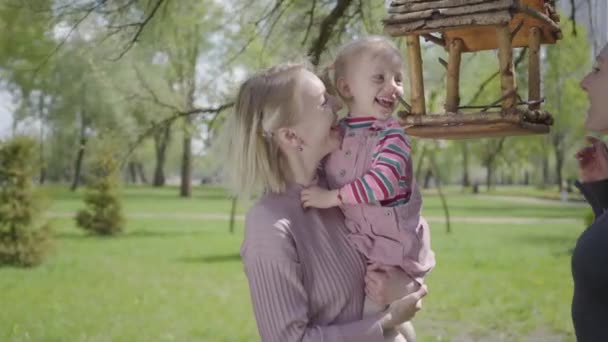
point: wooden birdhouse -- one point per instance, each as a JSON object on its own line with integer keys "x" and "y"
{"x": 462, "y": 26}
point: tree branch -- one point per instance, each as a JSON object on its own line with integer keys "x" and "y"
{"x": 326, "y": 30}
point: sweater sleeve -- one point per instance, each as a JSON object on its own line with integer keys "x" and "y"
{"x": 596, "y": 193}
{"x": 387, "y": 173}
{"x": 279, "y": 298}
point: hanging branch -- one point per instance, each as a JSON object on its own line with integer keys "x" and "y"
{"x": 485, "y": 83}
{"x": 169, "y": 121}
{"x": 326, "y": 29}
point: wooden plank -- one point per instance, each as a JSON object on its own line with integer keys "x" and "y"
{"x": 484, "y": 37}
{"x": 439, "y": 13}
{"x": 534, "y": 68}
{"x": 419, "y": 6}
{"x": 505, "y": 57}
{"x": 486, "y": 18}
{"x": 476, "y": 131}
{"x": 453, "y": 76}
{"x": 436, "y": 13}
{"x": 416, "y": 75}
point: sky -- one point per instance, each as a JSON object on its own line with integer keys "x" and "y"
{"x": 6, "y": 109}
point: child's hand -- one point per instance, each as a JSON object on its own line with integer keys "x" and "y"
{"x": 317, "y": 197}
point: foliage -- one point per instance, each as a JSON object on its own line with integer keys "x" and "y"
{"x": 103, "y": 213}
{"x": 25, "y": 240}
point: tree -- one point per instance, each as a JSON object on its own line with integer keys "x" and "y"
{"x": 566, "y": 63}
{"x": 25, "y": 239}
{"x": 103, "y": 209}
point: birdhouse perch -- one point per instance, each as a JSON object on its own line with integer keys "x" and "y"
{"x": 469, "y": 26}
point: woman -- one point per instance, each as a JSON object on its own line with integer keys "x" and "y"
{"x": 306, "y": 280}
{"x": 590, "y": 257}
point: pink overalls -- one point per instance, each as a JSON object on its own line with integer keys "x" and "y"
{"x": 395, "y": 236}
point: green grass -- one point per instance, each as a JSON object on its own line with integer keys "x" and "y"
{"x": 182, "y": 280}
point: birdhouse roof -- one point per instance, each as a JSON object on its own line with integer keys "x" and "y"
{"x": 407, "y": 17}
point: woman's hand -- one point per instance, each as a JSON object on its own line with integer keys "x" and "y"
{"x": 386, "y": 284}
{"x": 593, "y": 161}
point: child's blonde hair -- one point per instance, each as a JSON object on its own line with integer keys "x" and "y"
{"x": 265, "y": 102}
{"x": 375, "y": 45}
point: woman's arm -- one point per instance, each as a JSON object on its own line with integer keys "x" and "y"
{"x": 279, "y": 298}
{"x": 280, "y": 304}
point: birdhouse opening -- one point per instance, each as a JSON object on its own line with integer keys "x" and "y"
{"x": 461, "y": 26}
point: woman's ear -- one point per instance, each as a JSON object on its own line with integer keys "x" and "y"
{"x": 287, "y": 137}
{"x": 343, "y": 88}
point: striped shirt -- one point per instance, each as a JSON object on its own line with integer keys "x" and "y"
{"x": 387, "y": 182}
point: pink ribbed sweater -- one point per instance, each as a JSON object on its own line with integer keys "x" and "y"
{"x": 306, "y": 280}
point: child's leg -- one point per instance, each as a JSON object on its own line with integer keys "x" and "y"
{"x": 406, "y": 329}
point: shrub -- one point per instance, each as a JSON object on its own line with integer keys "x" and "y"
{"x": 25, "y": 240}
{"x": 102, "y": 214}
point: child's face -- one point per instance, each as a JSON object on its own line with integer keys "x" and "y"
{"x": 373, "y": 82}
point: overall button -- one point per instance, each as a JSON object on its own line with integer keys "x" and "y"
{"x": 342, "y": 173}
{"x": 388, "y": 213}
{"x": 347, "y": 153}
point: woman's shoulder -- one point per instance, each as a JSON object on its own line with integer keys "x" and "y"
{"x": 268, "y": 227}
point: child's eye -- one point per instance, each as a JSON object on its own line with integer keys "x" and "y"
{"x": 596, "y": 67}
{"x": 325, "y": 100}
{"x": 379, "y": 78}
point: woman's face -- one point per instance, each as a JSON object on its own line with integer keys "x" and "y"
{"x": 596, "y": 86}
{"x": 317, "y": 121}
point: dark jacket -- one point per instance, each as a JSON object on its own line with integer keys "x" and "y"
{"x": 590, "y": 269}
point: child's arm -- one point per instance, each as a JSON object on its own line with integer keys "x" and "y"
{"x": 388, "y": 170}
{"x": 387, "y": 173}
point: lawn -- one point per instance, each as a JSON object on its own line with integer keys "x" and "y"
{"x": 181, "y": 279}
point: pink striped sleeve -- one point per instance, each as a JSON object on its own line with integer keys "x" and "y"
{"x": 388, "y": 170}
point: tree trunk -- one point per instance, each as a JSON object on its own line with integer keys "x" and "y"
{"x": 132, "y": 173}
{"x": 42, "y": 175}
{"x": 186, "y": 179}
{"x": 418, "y": 173}
{"x": 140, "y": 171}
{"x": 489, "y": 171}
{"x": 80, "y": 154}
{"x": 186, "y": 175}
{"x": 559, "y": 164}
{"x": 465, "y": 165}
{"x": 427, "y": 178}
{"x": 545, "y": 168}
{"x": 162, "y": 139}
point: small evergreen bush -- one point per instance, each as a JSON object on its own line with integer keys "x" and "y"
{"x": 102, "y": 214}
{"x": 25, "y": 240}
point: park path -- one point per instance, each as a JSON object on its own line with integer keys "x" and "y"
{"x": 431, "y": 219}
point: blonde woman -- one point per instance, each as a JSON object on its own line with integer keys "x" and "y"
{"x": 307, "y": 282}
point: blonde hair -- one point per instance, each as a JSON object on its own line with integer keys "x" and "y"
{"x": 265, "y": 103}
{"x": 375, "y": 45}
